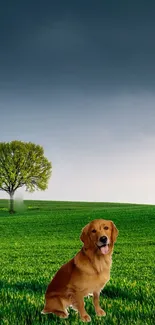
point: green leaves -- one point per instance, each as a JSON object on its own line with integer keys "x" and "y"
{"x": 23, "y": 164}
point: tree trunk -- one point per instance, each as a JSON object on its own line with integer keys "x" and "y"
{"x": 11, "y": 203}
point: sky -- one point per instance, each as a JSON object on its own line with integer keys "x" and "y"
{"x": 78, "y": 78}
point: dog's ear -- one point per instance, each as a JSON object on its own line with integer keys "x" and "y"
{"x": 85, "y": 236}
{"x": 114, "y": 233}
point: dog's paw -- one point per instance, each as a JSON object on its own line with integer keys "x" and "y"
{"x": 63, "y": 315}
{"x": 100, "y": 312}
{"x": 44, "y": 311}
{"x": 86, "y": 318}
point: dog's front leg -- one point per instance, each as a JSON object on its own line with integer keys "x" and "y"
{"x": 79, "y": 305}
{"x": 98, "y": 309}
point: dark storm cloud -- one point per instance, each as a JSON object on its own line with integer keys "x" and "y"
{"x": 87, "y": 44}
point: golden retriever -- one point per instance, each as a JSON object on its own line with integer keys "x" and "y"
{"x": 86, "y": 273}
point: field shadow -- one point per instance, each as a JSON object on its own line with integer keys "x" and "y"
{"x": 33, "y": 286}
{"x": 115, "y": 292}
{"x": 33, "y": 208}
{"x": 112, "y": 292}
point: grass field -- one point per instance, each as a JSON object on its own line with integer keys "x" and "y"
{"x": 36, "y": 241}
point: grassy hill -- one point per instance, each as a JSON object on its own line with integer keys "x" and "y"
{"x": 43, "y": 235}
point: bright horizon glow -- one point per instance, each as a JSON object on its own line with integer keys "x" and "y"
{"x": 108, "y": 158}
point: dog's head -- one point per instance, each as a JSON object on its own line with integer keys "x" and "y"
{"x": 99, "y": 235}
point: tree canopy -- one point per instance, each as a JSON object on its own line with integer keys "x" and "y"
{"x": 23, "y": 164}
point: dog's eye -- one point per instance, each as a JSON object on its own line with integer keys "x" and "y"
{"x": 94, "y": 230}
{"x": 106, "y": 228}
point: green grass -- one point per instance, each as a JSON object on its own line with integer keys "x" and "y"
{"x": 37, "y": 240}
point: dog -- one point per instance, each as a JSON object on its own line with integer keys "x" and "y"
{"x": 85, "y": 274}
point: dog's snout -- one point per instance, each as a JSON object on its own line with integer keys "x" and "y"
{"x": 103, "y": 239}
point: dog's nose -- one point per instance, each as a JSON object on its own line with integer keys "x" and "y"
{"x": 103, "y": 239}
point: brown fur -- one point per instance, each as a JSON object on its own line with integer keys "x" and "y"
{"x": 86, "y": 273}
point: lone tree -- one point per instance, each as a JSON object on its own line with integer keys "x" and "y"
{"x": 23, "y": 164}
